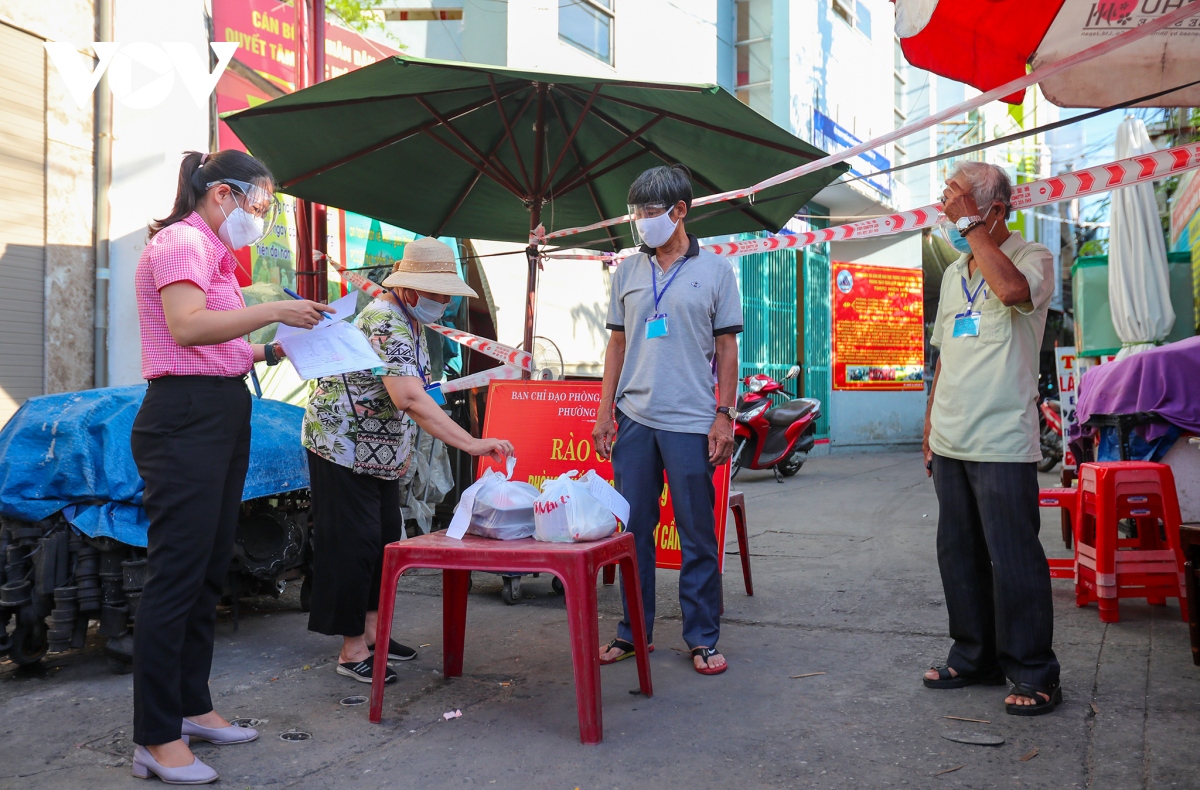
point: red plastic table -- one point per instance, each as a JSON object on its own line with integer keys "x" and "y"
{"x": 575, "y": 564}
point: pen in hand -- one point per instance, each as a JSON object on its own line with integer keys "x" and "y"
{"x": 295, "y": 295}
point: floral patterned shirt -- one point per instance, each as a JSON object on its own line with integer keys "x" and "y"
{"x": 330, "y": 427}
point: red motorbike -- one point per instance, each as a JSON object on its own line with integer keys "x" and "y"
{"x": 773, "y": 437}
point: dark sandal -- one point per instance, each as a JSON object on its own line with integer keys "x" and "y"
{"x": 1041, "y": 705}
{"x": 627, "y": 650}
{"x": 947, "y": 681}
{"x": 706, "y": 653}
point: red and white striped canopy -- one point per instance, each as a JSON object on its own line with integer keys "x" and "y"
{"x": 986, "y": 43}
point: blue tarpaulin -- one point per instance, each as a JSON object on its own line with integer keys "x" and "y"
{"x": 71, "y": 452}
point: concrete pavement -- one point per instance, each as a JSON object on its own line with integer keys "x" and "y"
{"x": 846, "y": 583}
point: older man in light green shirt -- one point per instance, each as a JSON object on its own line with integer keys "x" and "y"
{"x": 981, "y": 447}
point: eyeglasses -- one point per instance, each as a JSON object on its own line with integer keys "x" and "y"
{"x": 647, "y": 210}
{"x": 258, "y": 201}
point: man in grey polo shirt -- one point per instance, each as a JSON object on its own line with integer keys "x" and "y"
{"x": 674, "y": 308}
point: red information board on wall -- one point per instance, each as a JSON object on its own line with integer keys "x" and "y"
{"x": 878, "y": 328}
{"x": 550, "y": 425}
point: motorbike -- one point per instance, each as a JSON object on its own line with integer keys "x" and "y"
{"x": 773, "y": 437}
{"x": 1050, "y": 432}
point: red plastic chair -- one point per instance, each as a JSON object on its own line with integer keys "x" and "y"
{"x": 575, "y": 564}
{"x": 1110, "y": 567}
{"x": 1068, "y": 500}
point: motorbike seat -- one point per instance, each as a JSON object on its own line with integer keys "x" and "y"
{"x": 788, "y": 413}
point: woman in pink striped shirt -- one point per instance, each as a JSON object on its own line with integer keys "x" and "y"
{"x": 191, "y": 442}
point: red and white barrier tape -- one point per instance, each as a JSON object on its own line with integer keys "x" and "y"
{"x": 506, "y": 354}
{"x": 354, "y": 278}
{"x": 1032, "y": 78}
{"x": 481, "y": 379}
{"x": 1102, "y": 178}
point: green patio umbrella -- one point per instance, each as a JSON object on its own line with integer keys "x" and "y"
{"x": 475, "y": 151}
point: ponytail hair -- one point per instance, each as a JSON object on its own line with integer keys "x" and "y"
{"x": 198, "y": 170}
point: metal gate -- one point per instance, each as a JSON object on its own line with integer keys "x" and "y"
{"x": 768, "y": 281}
{"x": 816, "y": 308}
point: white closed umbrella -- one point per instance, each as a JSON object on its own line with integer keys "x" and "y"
{"x": 1138, "y": 281}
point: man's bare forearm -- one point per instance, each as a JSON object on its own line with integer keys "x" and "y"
{"x": 727, "y": 369}
{"x": 614, "y": 362}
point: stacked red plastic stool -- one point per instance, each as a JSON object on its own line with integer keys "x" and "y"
{"x": 1110, "y": 567}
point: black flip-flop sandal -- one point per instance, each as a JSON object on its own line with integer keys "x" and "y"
{"x": 947, "y": 681}
{"x": 1041, "y": 706}
{"x": 628, "y": 650}
{"x": 706, "y": 653}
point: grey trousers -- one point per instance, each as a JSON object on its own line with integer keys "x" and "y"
{"x": 994, "y": 570}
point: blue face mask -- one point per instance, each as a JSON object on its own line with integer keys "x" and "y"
{"x": 957, "y": 240}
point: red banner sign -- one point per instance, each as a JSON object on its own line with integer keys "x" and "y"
{"x": 265, "y": 31}
{"x": 878, "y": 328}
{"x": 550, "y": 424}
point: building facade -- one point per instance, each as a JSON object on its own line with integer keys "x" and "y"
{"x": 47, "y": 244}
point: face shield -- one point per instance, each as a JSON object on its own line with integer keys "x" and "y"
{"x": 650, "y": 223}
{"x": 255, "y": 201}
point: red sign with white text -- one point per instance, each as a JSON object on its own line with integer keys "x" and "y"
{"x": 265, "y": 31}
{"x": 878, "y": 331}
{"x": 550, "y": 425}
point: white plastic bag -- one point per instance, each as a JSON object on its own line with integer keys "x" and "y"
{"x": 495, "y": 507}
{"x": 570, "y": 510}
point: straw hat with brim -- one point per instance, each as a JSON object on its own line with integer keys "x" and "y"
{"x": 428, "y": 265}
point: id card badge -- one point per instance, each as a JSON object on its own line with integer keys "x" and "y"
{"x": 966, "y": 324}
{"x": 435, "y": 392}
{"x": 656, "y": 326}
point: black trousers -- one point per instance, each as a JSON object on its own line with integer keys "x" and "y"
{"x": 191, "y": 442}
{"x": 994, "y": 570}
{"x": 353, "y": 517}
{"x": 639, "y": 457}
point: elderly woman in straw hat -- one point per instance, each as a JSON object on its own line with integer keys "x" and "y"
{"x": 359, "y": 429}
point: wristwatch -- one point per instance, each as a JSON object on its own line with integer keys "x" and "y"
{"x": 965, "y": 224}
{"x": 728, "y": 411}
{"x": 270, "y": 355}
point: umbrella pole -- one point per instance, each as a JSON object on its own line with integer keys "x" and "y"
{"x": 531, "y": 253}
{"x": 535, "y": 217}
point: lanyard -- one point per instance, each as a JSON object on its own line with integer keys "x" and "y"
{"x": 654, "y": 282}
{"x": 972, "y": 296}
{"x": 412, "y": 325}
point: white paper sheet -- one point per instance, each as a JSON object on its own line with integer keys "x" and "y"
{"x": 344, "y": 308}
{"x": 336, "y": 348}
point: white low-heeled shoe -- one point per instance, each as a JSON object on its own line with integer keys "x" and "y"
{"x": 222, "y": 736}
{"x": 197, "y": 773}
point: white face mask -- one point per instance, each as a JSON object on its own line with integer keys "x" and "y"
{"x": 656, "y": 230}
{"x": 240, "y": 228}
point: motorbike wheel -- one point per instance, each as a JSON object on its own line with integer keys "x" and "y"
{"x": 1050, "y": 442}
{"x": 736, "y": 461}
{"x": 791, "y": 465}
{"x": 29, "y": 644}
{"x": 1050, "y": 458}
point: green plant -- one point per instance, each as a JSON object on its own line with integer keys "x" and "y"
{"x": 361, "y": 16}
